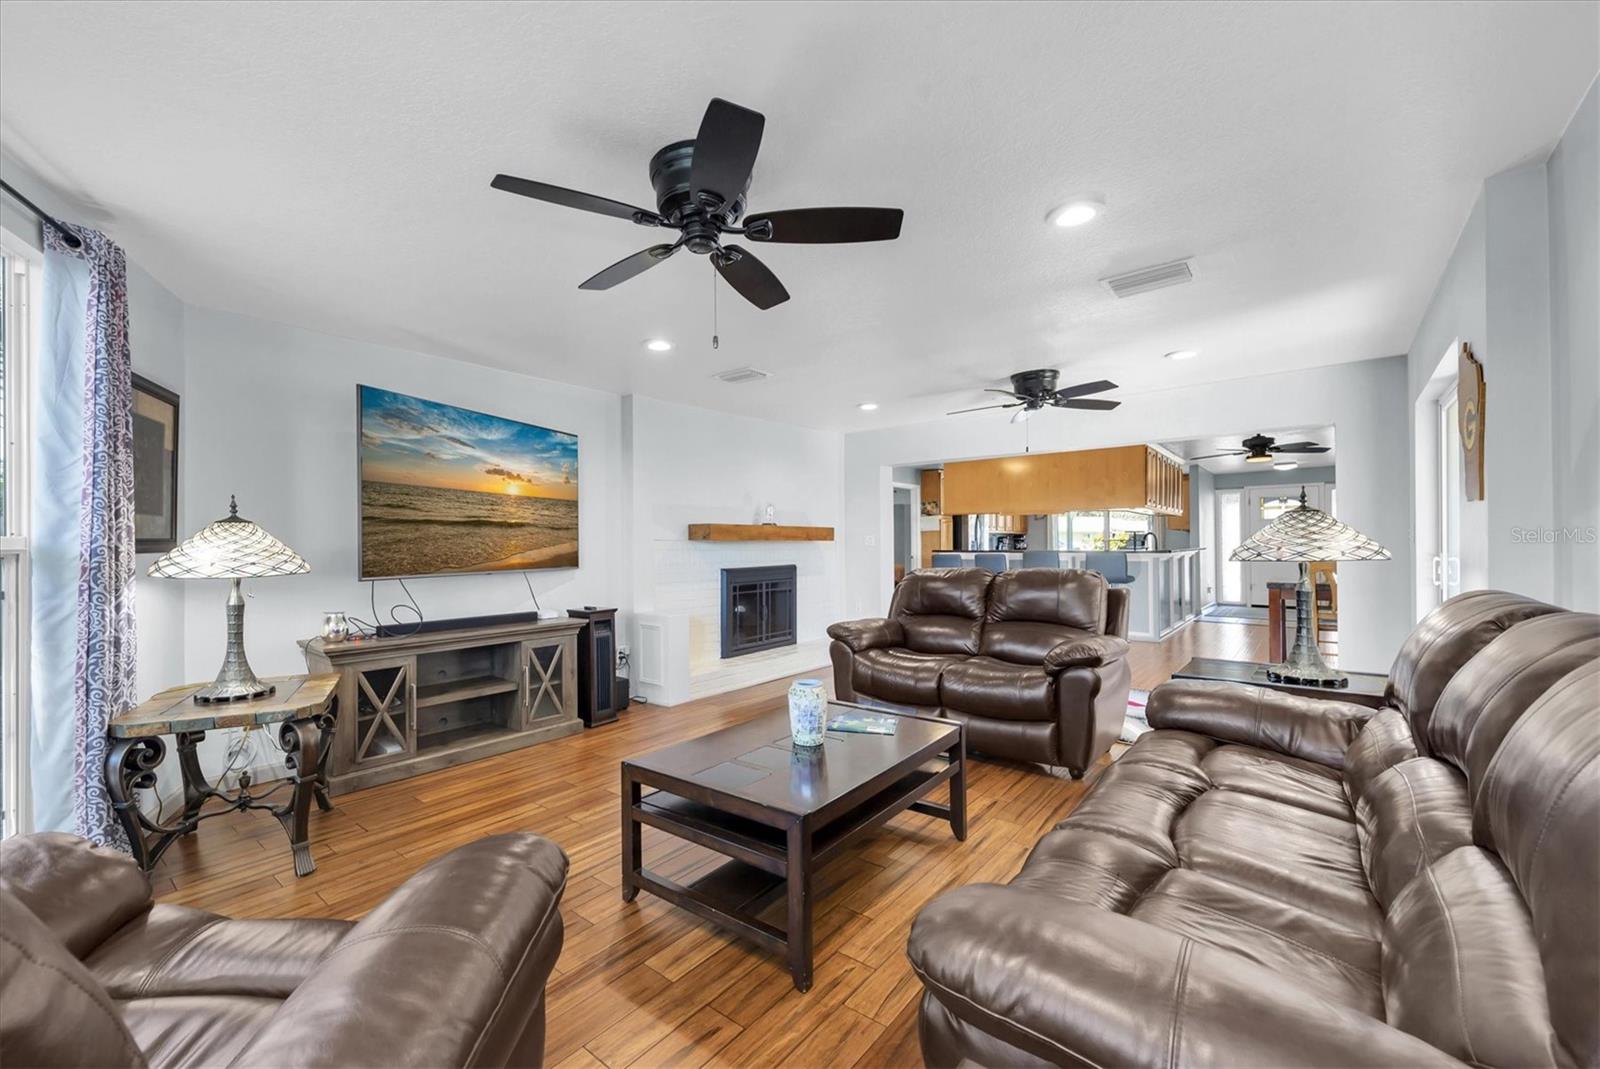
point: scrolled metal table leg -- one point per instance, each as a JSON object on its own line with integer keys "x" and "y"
{"x": 302, "y": 755}
{"x": 130, "y": 766}
{"x": 325, "y": 722}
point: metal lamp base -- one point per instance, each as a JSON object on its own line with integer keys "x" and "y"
{"x": 1305, "y": 666}
{"x": 235, "y": 681}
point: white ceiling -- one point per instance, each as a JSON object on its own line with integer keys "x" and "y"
{"x": 328, "y": 164}
{"x": 1205, "y": 447}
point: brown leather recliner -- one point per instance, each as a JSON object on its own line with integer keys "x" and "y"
{"x": 449, "y": 970}
{"x": 1032, "y": 661}
{"x": 1284, "y": 881}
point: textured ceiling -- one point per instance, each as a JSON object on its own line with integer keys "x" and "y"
{"x": 327, "y": 164}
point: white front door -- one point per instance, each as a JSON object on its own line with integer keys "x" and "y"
{"x": 1263, "y": 504}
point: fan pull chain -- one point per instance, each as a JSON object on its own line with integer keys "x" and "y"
{"x": 715, "y": 341}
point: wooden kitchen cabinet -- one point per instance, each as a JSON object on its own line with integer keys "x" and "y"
{"x": 1126, "y": 477}
{"x": 932, "y": 503}
{"x": 1180, "y": 522}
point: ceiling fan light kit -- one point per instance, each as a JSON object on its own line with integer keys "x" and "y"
{"x": 701, "y": 188}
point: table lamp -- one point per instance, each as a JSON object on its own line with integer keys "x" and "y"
{"x": 1305, "y": 535}
{"x": 231, "y": 548}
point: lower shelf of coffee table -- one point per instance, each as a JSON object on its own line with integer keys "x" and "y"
{"x": 756, "y": 842}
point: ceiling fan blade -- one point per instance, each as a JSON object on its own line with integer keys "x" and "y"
{"x": 627, "y": 267}
{"x": 1214, "y": 456}
{"x": 725, "y": 150}
{"x": 1091, "y": 404}
{"x": 984, "y": 408}
{"x": 822, "y": 226}
{"x": 750, "y": 277}
{"x": 1084, "y": 388}
{"x": 571, "y": 198}
{"x": 1298, "y": 447}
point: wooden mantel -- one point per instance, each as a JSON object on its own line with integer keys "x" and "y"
{"x": 757, "y": 532}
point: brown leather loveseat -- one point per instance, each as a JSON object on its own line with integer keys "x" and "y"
{"x": 1272, "y": 880}
{"x": 448, "y": 971}
{"x": 1033, "y": 661}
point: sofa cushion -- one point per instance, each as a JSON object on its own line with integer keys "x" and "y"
{"x": 1340, "y": 964}
{"x": 1282, "y": 851}
{"x": 900, "y": 675}
{"x": 52, "y": 1013}
{"x": 988, "y": 687}
{"x": 1281, "y": 778}
{"x": 1445, "y": 639}
{"x": 1410, "y": 816}
{"x": 1384, "y": 742}
{"x": 82, "y": 893}
{"x": 1034, "y": 610}
{"x": 1461, "y": 965}
{"x": 941, "y": 609}
{"x": 175, "y": 950}
{"x": 195, "y": 1031}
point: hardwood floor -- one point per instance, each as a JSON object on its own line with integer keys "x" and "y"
{"x": 645, "y": 983}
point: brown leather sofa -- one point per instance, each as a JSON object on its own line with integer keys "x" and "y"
{"x": 448, "y": 971}
{"x": 1272, "y": 880}
{"x": 1033, "y": 661}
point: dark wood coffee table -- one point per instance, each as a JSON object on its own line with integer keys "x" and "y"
{"x": 780, "y": 812}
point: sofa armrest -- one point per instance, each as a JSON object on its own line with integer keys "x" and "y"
{"x": 81, "y": 892}
{"x": 1094, "y": 651}
{"x": 1078, "y": 985}
{"x": 1316, "y": 729}
{"x": 868, "y": 634}
{"x": 448, "y": 970}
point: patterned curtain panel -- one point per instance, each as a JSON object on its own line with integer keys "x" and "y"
{"x": 104, "y": 679}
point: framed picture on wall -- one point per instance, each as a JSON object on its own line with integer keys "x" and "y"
{"x": 155, "y": 467}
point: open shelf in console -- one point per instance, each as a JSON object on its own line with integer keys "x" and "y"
{"x": 466, "y": 692}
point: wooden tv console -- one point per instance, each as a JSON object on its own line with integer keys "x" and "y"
{"x": 411, "y": 704}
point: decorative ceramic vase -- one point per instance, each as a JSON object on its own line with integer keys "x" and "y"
{"x": 808, "y": 712}
{"x": 335, "y": 626}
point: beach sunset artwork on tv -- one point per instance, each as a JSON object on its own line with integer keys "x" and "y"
{"x": 446, "y": 489}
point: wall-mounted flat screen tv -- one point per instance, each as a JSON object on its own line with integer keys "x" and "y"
{"x": 446, "y": 490}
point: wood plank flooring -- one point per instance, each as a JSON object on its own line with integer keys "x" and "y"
{"x": 644, "y": 983}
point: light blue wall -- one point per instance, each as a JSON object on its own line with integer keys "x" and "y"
{"x": 1237, "y": 479}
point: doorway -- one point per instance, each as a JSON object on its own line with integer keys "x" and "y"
{"x": 905, "y": 530}
{"x": 1262, "y": 505}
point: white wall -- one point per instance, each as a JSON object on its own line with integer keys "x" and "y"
{"x": 689, "y": 465}
{"x": 270, "y": 415}
{"x": 1574, "y": 197}
{"x": 1522, "y": 288}
{"x": 1365, "y": 402}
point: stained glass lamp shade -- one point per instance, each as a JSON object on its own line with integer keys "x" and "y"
{"x": 1303, "y": 536}
{"x": 231, "y": 548}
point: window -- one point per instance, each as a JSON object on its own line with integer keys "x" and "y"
{"x": 1093, "y": 532}
{"x": 17, "y": 277}
{"x": 1452, "y": 492}
{"x": 1230, "y": 573}
{"x": 1273, "y": 507}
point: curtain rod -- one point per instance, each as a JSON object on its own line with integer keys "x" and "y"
{"x": 44, "y": 217}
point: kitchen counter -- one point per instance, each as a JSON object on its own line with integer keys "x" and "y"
{"x": 1165, "y": 592}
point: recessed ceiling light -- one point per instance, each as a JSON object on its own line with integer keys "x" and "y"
{"x": 1285, "y": 465}
{"x": 658, "y": 345}
{"x": 1183, "y": 354}
{"x": 1078, "y": 210}
{"x": 868, "y": 406}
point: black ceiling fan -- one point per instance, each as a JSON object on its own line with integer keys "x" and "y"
{"x": 700, "y": 192}
{"x": 1259, "y": 449}
{"x": 1035, "y": 390}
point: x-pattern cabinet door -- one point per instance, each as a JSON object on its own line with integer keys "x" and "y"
{"x": 385, "y": 708}
{"x": 550, "y": 677}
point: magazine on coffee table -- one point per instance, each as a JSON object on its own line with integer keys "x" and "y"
{"x": 863, "y": 724}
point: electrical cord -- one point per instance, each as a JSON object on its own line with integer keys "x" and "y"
{"x": 537, "y": 608}
{"x": 395, "y": 628}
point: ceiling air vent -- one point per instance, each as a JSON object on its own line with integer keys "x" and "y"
{"x": 1146, "y": 279}
{"x": 740, "y": 374}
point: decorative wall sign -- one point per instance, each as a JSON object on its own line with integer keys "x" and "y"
{"x": 1470, "y": 391}
{"x": 155, "y": 467}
